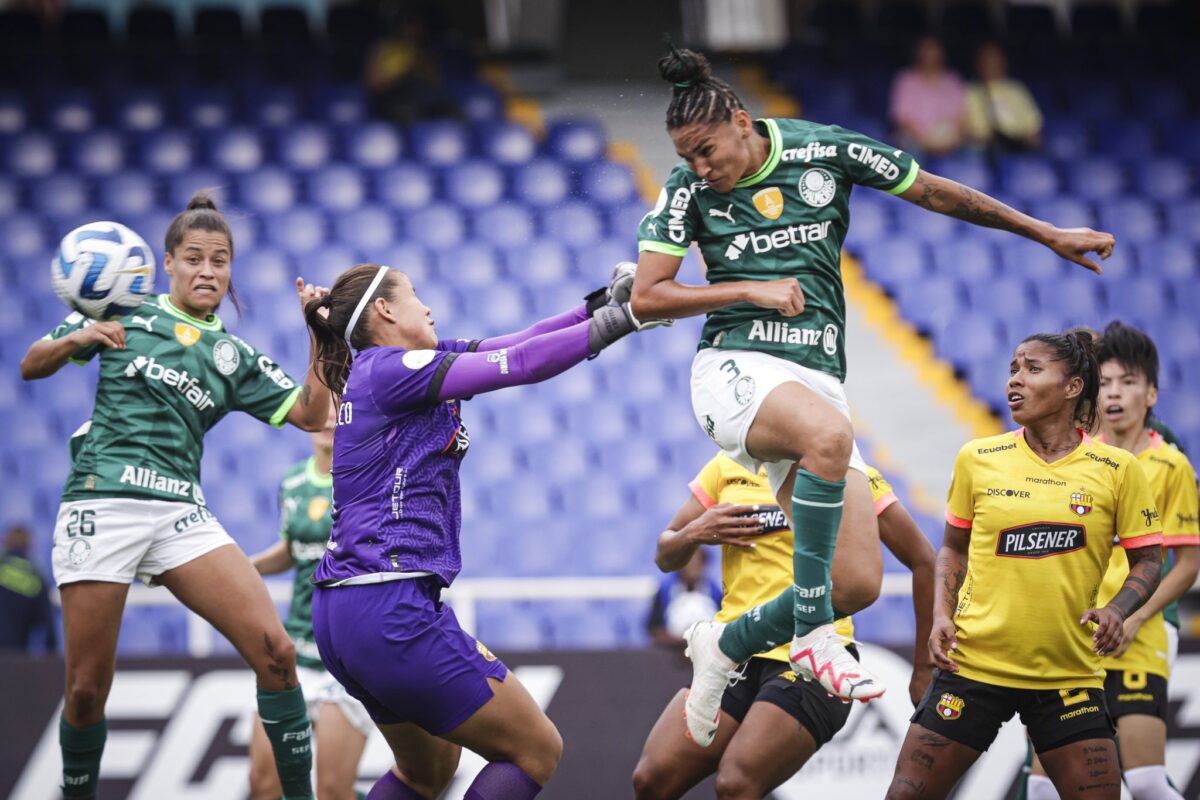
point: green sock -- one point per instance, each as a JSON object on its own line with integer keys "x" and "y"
{"x": 817, "y": 511}
{"x": 285, "y": 718}
{"x": 760, "y": 629}
{"x": 81, "y": 751}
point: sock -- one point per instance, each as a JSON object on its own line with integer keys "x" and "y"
{"x": 81, "y": 751}
{"x": 389, "y": 787}
{"x": 1150, "y": 783}
{"x": 816, "y": 512}
{"x": 1041, "y": 788}
{"x": 285, "y": 718}
{"x": 502, "y": 780}
{"x": 760, "y": 629}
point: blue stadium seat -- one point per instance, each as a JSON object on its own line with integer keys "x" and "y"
{"x": 496, "y": 309}
{"x": 474, "y": 184}
{"x": 505, "y": 143}
{"x": 935, "y": 229}
{"x": 1136, "y": 298}
{"x": 1066, "y": 138}
{"x": 575, "y": 141}
{"x": 1183, "y": 219}
{"x": 70, "y": 110}
{"x": 139, "y": 109}
{"x": 505, "y": 225}
{"x": 508, "y": 626}
{"x": 343, "y": 104}
{"x": 296, "y": 231}
{"x": 1095, "y": 178}
{"x": 541, "y": 262}
{"x": 967, "y": 339}
{"x": 574, "y": 223}
{"x": 205, "y": 107}
{"x": 59, "y": 196}
{"x": 439, "y": 144}
{"x": 930, "y": 303}
{"x": 596, "y": 421}
{"x": 1022, "y": 258}
{"x": 1170, "y": 257}
{"x": 31, "y": 155}
{"x": 369, "y": 228}
{"x": 968, "y": 169}
{"x": 1097, "y": 99}
{"x": 894, "y": 261}
{"x": 470, "y": 265}
{"x": 971, "y": 259}
{"x": 270, "y": 190}
{"x": 438, "y": 225}
{"x": 541, "y": 183}
{"x": 1159, "y": 100}
{"x": 274, "y": 106}
{"x": 265, "y": 269}
{"x": 324, "y": 261}
{"x": 479, "y": 102}
{"x": 374, "y": 145}
{"x": 409, "y": 257}
{"x": 14, "y": 113}
{"x": 337, "y": 188}
{"x": 1164, "y": 178}
{"x": 1078, "y": 298}
{"x": 98, "y": 153}
{"x": 303, "y": 147}
{"x": 1129, "y": 139}
{"x": 1181, "y": 138}
{"x": 1123, "y": 263}
{"x": 1030, "y": 178}
{"x": 167, "y": 152}
{"x": 625, "y": 219}
{"x": 607, "y": 183}
{"x": 872, "y": 220}
{"x": 10, "y": 197}
{"x": 1130, "y": 219}
{"x": 405, "y": 186}
{"x": 131, "y": 193}
{"x": 1065, "y": 212}
{"x": 595, "y": 262}
{"x": 235, "y": 150}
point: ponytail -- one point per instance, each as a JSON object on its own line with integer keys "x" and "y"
{"x": 330, "y": 315}
{"x": 696, "y": 96}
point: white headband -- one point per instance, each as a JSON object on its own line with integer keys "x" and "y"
{"x": 362, "y": 304}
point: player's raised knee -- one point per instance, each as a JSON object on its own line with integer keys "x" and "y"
{"x": 734, "y": 782}
{"x": 649, "y": 779}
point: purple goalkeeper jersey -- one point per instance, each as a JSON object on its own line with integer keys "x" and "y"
{"x": 396, "y": 455}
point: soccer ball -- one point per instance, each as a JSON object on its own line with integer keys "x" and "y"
{"x": 103, "y": 270}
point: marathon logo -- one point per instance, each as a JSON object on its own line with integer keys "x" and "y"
{"x": 1045, "y": 481}
{"x": 809, "y": 152}
{"x": 1078, "y": 712}
{"x": 1041, "y": 539}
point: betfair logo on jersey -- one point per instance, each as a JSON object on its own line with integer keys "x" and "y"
{"x": 1081, "y": 502}
{"x": 761, "y": 243}
{"x": 1041, "y": 539}
{"x": 769, "y": 202}
{"x": 185, "y": 384}
{"x": 886, "y": 168}
{"x": 950, "y": 706}
{"x": 186, "y": 334}
{"x": 809, "y": 152}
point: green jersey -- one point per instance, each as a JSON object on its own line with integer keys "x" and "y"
{"x": 305, "y": 499}
{"x": 788, "y": 219}
{"x": 176, "y": 378}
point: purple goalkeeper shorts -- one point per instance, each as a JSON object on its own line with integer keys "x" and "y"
{"x": 400, "y": 651}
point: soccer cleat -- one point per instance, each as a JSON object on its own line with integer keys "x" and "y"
{"x": 710, "y": 675}
{"x": 821, "y": 655}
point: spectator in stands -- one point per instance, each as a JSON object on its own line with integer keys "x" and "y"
{"x": 927, "y": 102}
{"x": 404, "y": 75}
{"x": 683, "y": 597}
{"x": 24, "y": 597}
{"x": 1001, "y": 113}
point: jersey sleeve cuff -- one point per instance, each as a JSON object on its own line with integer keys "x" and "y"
{"x": 957, "y": 522}
{"x": 882, "y": 503}
{"x": 1145, "y": 540}
{"x": 280, "y": 416}
{"x": 701, "y": 495}
{"x": 1181, "y": 540}
{"x": 908, "y": 181}
{"x": 651, "y": 246}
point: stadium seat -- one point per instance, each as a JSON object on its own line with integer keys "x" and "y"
{"x": 59, "y": 196}
{"x": 505, "y": 143}
{"x": 1130, "y": 219}
{"x": 1095, "y": 178}
{"x": 70, "y": 111}
{"x": 235, "y": 150}
{"x": 370, "y": 228}
{"x": 303, "y": 147}
{"x": 872, "y": 220}
{"x": 1079, "y": 299}
{"x": 595, "y": 262}
{"x": 574, "y": 223}
{"x": 438, "y": 225}
{"x": 409, "y": 257}
{"x": 405, "y": 187}
{"x": 504, "y": 225}
{"x": 97, "y": 154}
{"x": 469, "y": 266}
{"x": 1030, "y": 178}
{"x": 934, "y": 229}
{"x": 541, "y": 183}
{"x": 931, "y": 303}
{"x": 894, "y": 261}
{"x": 31, "y": 155}
{"x": 205, "y": 107}
{"x": 337, "y": 188}
{"x": 1065, "y": 211}
{"x": 14, "y": 113}
{"x": 971, "y": 259}
{"x": 1066, "y": 138}
{"x": 538, "y": 263}
{"x": 479, "y": 102}
{"x": 297, "y": 231}
{"x": 1172, "y": 258}
{"x": 439, "y": 144}
{"x": 10, "y": 198}
{"x": 575, "y": 141}
{"x": 271, "y": 190}
{"x": 607, "y": 183}
{"x": 474, "y": 184}
{"x": 969, "y": 169}
{"x": 1164, "y": 179}
{"x": 1133, "y": 298}
{"x": 273, "y": 106}
{"x": 167, "y": 152}
{"x": 129, "y": 194}
{"x": 182, "y": 186}
{"x": 264, "y": 269}
{"x": 375, "y": 145}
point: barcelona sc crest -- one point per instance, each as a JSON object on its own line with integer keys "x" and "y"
{"x": 950, "y": 706}
{"x": 1081, "y": 502}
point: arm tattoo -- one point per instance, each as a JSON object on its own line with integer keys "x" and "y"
{"x": 305, "y": 395}
{"x": 966, "y": 204}
{"x": 954, "y": 574}
{"x": 1145, "y": 569}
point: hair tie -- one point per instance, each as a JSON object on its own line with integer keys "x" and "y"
{"x": 684, "y": 84}
{"x": 362, "y": 304}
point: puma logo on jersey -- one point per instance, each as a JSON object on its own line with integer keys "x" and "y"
{"x": 726, "y": 214}
{"x": 148, "y": 323}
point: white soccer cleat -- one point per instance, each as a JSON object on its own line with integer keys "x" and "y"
{"x": 710, "y": 675}
{"x": 821, "y": 655}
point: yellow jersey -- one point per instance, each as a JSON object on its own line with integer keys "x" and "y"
{"x": 1173, "y": 484}
{"x": 1041, "y": 537}
{"x": 750, "y": 578}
